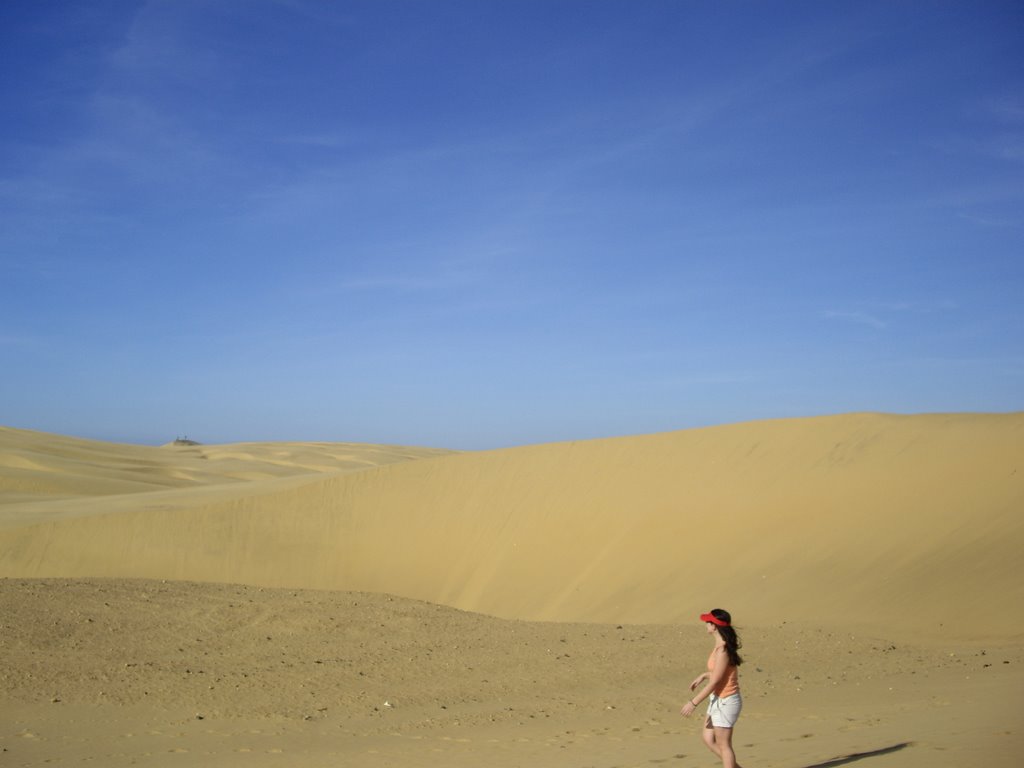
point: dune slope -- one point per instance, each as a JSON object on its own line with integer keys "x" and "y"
{"x": 864, "y": 518}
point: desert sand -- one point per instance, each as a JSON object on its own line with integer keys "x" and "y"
{"x": 336, "y": 604}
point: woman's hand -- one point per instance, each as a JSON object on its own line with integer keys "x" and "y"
{"x": 688, "y": 709}
{"x": 698, "y": 681}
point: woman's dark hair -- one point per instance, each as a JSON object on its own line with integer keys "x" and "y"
{"x": 732, "y": 640}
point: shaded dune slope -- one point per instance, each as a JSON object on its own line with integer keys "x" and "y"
{"x": 911, "y": 521}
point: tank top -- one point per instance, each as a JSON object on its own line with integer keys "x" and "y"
{"x": 730, "y": 684}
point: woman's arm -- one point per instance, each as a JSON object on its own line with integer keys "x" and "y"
{"x": 718, "y": 673}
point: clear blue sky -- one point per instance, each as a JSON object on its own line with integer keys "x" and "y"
{"x": 476, "y": 224}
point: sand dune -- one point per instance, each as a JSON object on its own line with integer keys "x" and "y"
{"x": 859, "y": 518}
{"x": 37, "y": 466}
{"x": 873, "y": 562}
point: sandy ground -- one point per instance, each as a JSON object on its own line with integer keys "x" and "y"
{"x": 174, "y": 673}
{"x": 328, "y": 604}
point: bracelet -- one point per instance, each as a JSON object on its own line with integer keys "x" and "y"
{"x": 692, "y": 704}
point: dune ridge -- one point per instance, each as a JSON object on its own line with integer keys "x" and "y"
{"x": 37, "y": 466}
{"x": 862, "y": 518}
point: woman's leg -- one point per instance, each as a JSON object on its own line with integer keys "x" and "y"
{"x": 723, "y": 740}
{"x": 708, "y": 736}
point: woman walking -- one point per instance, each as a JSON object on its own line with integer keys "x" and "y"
{"x": 721, "y": 687}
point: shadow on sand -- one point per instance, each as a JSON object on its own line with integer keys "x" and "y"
{"x": 837, "y": 761}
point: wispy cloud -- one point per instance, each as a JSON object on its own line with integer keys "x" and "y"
{"x": 322, "y": 140}
{"x": 858, "y": 318}
{"x": 16, "y": 340}
{"x": 917, "y": 307}
{"x": 154, "y": 46}
{"x": 992, "y": 222}
{"x": 879, "y": 314}
{"x": 1007, "y": 108}
{"x": 404, "y": 283}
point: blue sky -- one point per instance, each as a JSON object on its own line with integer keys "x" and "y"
{"x": 477, "y": 224}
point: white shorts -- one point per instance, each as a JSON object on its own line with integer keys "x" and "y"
{"x": 723, "y": 713}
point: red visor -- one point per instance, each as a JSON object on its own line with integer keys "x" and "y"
{"x": 713, "y": 619}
